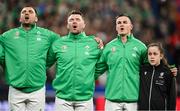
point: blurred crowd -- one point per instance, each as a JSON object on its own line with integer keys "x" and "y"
{"x": 153, "y": 20}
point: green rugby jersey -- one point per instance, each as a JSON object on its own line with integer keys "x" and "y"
{"x": 25, "y": 56}
{"x": 76, "y": 57}
{"x": 122, "y": 62}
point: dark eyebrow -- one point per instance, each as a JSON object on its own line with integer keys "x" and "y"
{"x": 126, "y": 15}
{"x": 31, "y": 9}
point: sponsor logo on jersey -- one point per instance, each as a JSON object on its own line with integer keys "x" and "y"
{"x": 16, "y": 35}
{"x": 38, "y": 36}
{"x": 86, "y": 50}
{"x": 161, "y": 75}
{"x": 113, "y": 49}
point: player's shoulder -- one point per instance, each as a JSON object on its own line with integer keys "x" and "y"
{"x": 138, "y": 42}
{"x": 43, "y": 29}
{"x": 11, "y": 31}
{"x": 112, "y": 42}
{"x": 46, "y": 31}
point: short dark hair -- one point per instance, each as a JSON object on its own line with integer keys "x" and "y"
{"x": 126, "y": 15}
{"x": 32, "y": 8}
{"x": 76, "y": 12}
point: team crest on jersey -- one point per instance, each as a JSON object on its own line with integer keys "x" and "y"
{"x": 38, "y": 32}
{"x": 16, "y": 35}
{"x": 113, "y": 49}
{"x": 87, "y": 47}
{"x": 161, "y": 75}
{"x": 133, "y": 54}
{"x": 145, "y": 72}
{"x": 64, "y": 48}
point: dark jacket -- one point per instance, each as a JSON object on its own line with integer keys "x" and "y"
{"x": 157, "y": 88}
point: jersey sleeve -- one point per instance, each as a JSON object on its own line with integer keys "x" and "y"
{"x": 2, "y": 57}
{"x": 51, "y": 57}
{"x": 171, "y": 89}
{"x": 101, "y": 66}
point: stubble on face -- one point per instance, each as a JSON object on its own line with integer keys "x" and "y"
{"x": 28, "y": 16}
{"x": 75, "y": 24}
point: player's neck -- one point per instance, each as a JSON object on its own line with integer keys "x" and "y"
{"x": 27, "y": 26}
{"x": 124, "y": 39}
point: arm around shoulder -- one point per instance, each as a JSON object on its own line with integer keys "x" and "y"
{"x": 101, "y": 66}
{"x": 171, "y": 100}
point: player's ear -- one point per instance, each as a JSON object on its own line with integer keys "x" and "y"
{"x": 36, "y": 19}
{"x": 84, "y": 26}
{"x": 161, "y": 56}
{"x": 131, "y": 26}
{"x": 20, "y": 19}
{"x": 67, "y": 26}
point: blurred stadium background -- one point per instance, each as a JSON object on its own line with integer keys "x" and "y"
{"x": 154, "y": 20}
